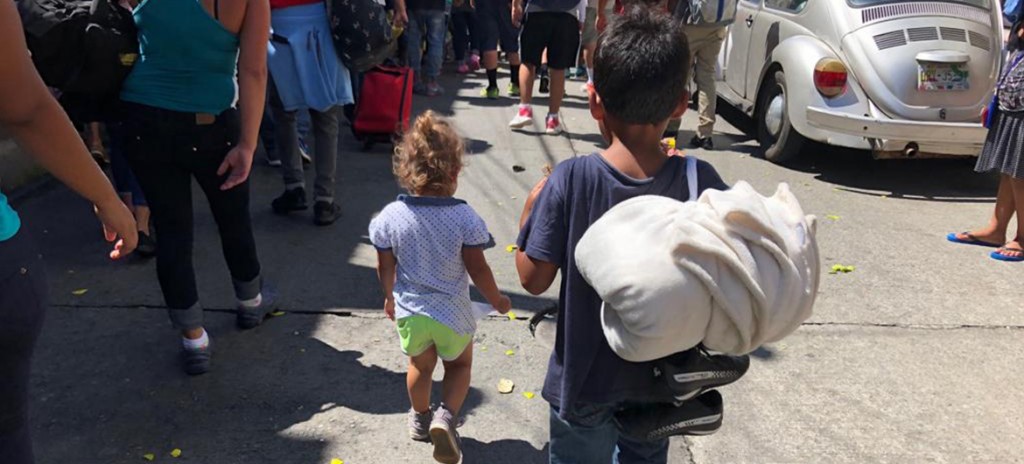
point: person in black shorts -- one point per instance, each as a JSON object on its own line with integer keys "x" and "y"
{"x": 494, "y": 21}
{"x": 553, "y": 25}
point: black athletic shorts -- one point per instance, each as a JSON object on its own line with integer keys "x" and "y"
{"x": 494, "y": 19}
{"x": 558, "y": 32}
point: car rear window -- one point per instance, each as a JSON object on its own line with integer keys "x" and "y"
{"x": 984, "y": 4}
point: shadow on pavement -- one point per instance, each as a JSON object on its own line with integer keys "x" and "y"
{"x": 503, "y": 452}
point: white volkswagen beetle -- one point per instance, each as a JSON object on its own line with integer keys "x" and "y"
{"x": 899, "y": 78}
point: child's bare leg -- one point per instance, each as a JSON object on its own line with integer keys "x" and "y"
{"x": 456, "y": 380}
{"x": 420, "y": 378}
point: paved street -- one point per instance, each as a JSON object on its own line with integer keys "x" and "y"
{"x": 913, "y": 357}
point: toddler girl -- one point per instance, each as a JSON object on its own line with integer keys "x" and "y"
{"x": 429, "y": 245}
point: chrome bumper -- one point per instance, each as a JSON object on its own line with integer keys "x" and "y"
{"x": 930, "y": 133}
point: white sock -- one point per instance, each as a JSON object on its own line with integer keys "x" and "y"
{"x": 590, "y": 75}
{"x": 552, "y": 115}
{"x": 198, "y": 344}
{"x": 253, "y": 303}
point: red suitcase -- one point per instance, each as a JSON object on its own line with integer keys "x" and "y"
{"x": 385, "y": 102}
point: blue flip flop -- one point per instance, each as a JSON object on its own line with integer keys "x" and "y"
{"x": 971, "y": 240}
{"x": 1001, "y": 257}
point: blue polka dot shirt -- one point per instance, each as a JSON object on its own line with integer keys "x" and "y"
{"x": 427, "y": 235}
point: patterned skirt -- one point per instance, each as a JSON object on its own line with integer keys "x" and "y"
{"x": 1004, "y": 146}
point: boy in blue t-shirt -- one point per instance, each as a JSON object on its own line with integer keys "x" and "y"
{"x": 640, "y": 74}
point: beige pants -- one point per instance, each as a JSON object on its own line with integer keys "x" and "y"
{"x": 705, "y": 44}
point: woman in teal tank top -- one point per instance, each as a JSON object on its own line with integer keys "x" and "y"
{"x": 30, "y": 114}
{"x": 180, "y": 122}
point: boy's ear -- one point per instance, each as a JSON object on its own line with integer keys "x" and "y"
{"x": 596, "y": 106}
{"x": 684, "y": 103}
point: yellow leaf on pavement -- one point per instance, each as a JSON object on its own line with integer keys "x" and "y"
{"x": 528, "y": 395}
{"x": 337, "y": 461}
{"x": 175, "y": 453}
{"x": 80, "y": 292}
{"x": 511, "y": 248}
{"x": 832, "y": 217}
{"x": 505, "y": 386}
{"x": 510, "y": 353}
{"x": 511, "y": 316}
{"x": 149, "y": 456}
{"x": 277, "y": 313}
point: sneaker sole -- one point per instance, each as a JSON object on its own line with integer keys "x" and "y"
{"x": 519, "y": 125}
{"x": 446, "y": 450}
{"x": 553, "y": 132}
{"x": 416, "y": 437}
{"x": 287, "y": 211}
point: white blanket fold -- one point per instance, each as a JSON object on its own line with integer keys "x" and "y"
{"x": 732, "y": 270}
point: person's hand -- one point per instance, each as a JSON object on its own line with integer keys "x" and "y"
{"x": 401, "y": 17}
{"x": 236, "y": 165}
{"x": 504, "y": 305}
{"x": 602, "y": 21}
{"x": 389, "y": 308}
{"x": 517, "y": 14}
{"x": 118, "y": 222}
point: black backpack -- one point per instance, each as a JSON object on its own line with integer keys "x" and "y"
{"x": 362, "y": 33}
{"x": 84, "y": 48}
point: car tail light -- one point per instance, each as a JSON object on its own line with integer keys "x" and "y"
{"x": 830, "y": 77}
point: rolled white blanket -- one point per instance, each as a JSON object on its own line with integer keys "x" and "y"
{"x": 732, "y": 270}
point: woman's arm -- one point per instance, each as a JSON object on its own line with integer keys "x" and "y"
{"x": 39, "y": 124}
{"x": 252, "y": 90}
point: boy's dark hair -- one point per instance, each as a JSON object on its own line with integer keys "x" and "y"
{"x": 642, "y": 66}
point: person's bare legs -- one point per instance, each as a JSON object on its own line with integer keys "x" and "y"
{"x": 1006, "y": 205}
{"x": 527, "y": 74}
{"x": 420, "y": 379}
{"x": 557, "y": 90}
{"x": 1017, "y": 185}
{"x": 588, "y": 59}
{"x": 457, "y": 375}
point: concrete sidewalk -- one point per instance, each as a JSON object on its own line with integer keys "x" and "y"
{"x": 914, "y": 357}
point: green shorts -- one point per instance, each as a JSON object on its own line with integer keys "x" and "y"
{"x": 418, "y": 333}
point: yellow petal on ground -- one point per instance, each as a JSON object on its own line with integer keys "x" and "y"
{"x": 483, "y": 348}
{"x": 832, "y": 217}
{"x": 337, "y": 461}
{"x": 175, "y": 453}
{"x": 505, "y": 386}
{"x": 277, "y": 313}
{"x": 528, "y": 395}
{"x": 511, "y": 316}
{"x": 149, "y": 456}
{"x": 511, "y": 248}
{"x": 510, "y": 353}
{"x": 80, "y": 292}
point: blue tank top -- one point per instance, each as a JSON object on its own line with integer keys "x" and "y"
{"x": 9, "y": 222}
{"x": 187, "y": 61}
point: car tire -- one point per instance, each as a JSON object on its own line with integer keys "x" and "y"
{"x": 780, "y": 143}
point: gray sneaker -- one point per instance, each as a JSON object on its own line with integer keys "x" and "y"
{"x": 419, "y": 425}
{"x": 250, "y": 318}
{"x": 445, "y": 438}
{"x": 196, "y": 362}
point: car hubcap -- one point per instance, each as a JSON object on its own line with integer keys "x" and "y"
{"x": 773, "y": 117}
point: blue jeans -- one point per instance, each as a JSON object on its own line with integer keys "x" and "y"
{"x": 432, "y": 24}
{"x": 591, "y": 437}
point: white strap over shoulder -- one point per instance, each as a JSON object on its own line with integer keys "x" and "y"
{"x": 691, "y": 177}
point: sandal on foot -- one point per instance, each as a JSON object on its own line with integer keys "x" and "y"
{"x": 998, "y": 254}
{"x": 970, "y": 240}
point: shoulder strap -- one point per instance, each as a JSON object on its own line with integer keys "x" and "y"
{"x": 691, "y": 177}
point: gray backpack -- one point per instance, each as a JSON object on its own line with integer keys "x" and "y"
{"x": 716, "y": 13}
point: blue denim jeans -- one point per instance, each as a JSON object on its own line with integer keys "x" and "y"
{"x": 591, "y": 437}
{"x": 432, "y": 24}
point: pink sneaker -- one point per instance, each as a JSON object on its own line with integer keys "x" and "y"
{"x": 553, "y": 126}
{"x": 474, "y": 62}
{"x": 523, "y": 119}
{"x": 463, "y": 68}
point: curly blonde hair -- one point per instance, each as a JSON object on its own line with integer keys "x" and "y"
{"x": 429, "y": 157}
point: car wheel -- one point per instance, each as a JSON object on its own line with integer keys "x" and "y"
{"x": 780, "y": 143}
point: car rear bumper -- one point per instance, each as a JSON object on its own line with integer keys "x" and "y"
{"x": 889, "y": 135}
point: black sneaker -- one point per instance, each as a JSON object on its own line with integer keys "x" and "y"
{"x": 702, "y": 142}
{"x": 693, "y": 372}
{"x": 325, "y": 213}
{"x": 289, "y": 201}
{"x": 658, "y": 421}
{"x": 545, "y": 83}
{"x": 147, "y": 246}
